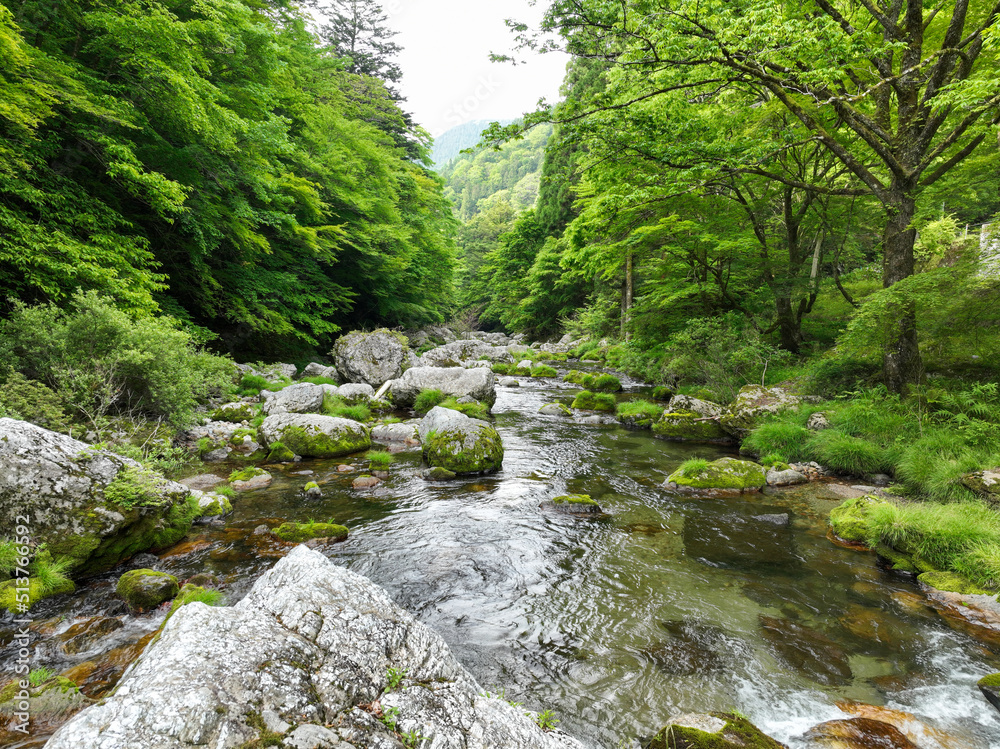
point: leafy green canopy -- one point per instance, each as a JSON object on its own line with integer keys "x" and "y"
{"x": 211, "y": 160}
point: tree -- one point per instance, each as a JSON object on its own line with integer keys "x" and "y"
{"x": 358, "y": 34}
{"x": 898, "y": 92}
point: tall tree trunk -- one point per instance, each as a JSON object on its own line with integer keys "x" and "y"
{"x": 627, "y": 297}
{"x": 902, "y": 366}
{"x": 789, "y": 324}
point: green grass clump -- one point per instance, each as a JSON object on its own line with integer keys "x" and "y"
{"x": 476, "y": 410}
{"x": 595, "y": 401}
{"x": 502, "y": 368}
{"x": 252, "y": 384}
{"x": 543, "y": 370}
{"x": 852, "y": 455}
{"x": 662, "y": 393}
{"x": 334, "y": 405}
{"x": 380, "y": 458}
{"x": 244, "y": 474}
{"x": 962, "y": 537}
{"x": 575, "y": 376}
{"x": 195, "y": 593}
{"x": 775, "y": 461}
{"x": 320, "y": 380}
{"x": 640, "y": 412}
{"x": 427, "y": 399}
{"x": 607, "y": 383}
{"x": 38, "y": 676}
{"x": 693, "y": 467}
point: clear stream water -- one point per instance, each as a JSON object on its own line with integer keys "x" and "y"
{"x": 664, "y": 605}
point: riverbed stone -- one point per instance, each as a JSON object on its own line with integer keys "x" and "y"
{"x": 405, "y": 432}
{"x": 807, "y": 650}
{"x": 461, "y": 444}
{"x": 787, "y": 477}
{"x": 460, "y": 353}
{"x": 689, "y": 426}
{"x": 315, "y": 435}
{"x": 455, "y": 381}
{"x": 236, "y": 412}
{"x": 990, "y": 687}
{"x": 555, "y": 409}
{"x": 372, "y": 357}
{"x": 574, "y": 504}
{"x": 315, "y": 369}
{"x": 722, "y": 477}
{"x": 356, "y": 391}
{"x": 984, "y": 483}
{"x": 857, "y": 733}
{"x": 146, "y": 589}
{"x": 509, "y": 382}
{"x": 51, "y": 704}
{"x": 754, "y": 403}
{"x": 313, "y": 642}
{"x": 695, "y": 405}
{"x": 91, "y": 507}
{"x": 301, "y": 398}
{"x": 712, "y": 731}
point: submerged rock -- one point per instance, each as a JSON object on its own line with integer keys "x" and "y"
{"x": 372, "y": 358}
{"x": 51, "y": 704}
{"x": 857, "y": 733}
{"x": 90, "y": 507}
{"x": 807, "y": 650}
{"x": 299, "y": 532}
{"x": 459, "y": 443}
{"x": 723, "y": 477}
{"x": 574, "y": 504}
{"x": 478, "y": 383}
{"x": 712, "y": 731}
{"x": 313, "y": 643}
{"x": 316, "y": 436}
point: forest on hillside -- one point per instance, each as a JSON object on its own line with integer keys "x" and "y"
{"x": 816, "y": 186}
{"x": 241, "y": 167}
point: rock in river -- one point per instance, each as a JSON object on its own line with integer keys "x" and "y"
{"x": 310, "y": 645}
{"x": 89, "y": 506}
{"x": 372, "y": 358}
{"x": 459, "y": 443}
{"x": 316, "y": 436}
{"x": 722, "y": 477}
{"x": 712, "y": 731}
{"x": 478, "y": 383}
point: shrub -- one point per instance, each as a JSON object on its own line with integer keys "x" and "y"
{"x": 427, "y": 399}
{"x": 251, "y": 384}
{"x": 101, "y": 361}
{"x": 29, "y": 400}
{"x": 662, "y": 393}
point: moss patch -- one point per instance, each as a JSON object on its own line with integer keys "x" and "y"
{"x": 589, "y": 401}
{"x": 725, "y": 474}
{"x": 689, "y": 426}
{"x": 849, "y": 520}
{"x": 146, "y": 589}
{"x": 234, "y": 412}
{"x": 574, "y": 499}
{"x": 993, "y": 680}
{"x": 460, "y": 451}
{"x": 317, "y": 444}
{"x": 299, "y": 532}
{"x": 738, "y": 733}
{"x": 952, "y": 583}
{"x": 279, "y": 453}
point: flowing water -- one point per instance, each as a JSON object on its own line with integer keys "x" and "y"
{"x": 614, "y": 623}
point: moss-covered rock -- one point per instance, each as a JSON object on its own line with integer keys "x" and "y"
{"x": 849, "y": 520}
{"x": 990, "y": 687}
{"x": 146, "y": 589}
{"x": 712, "y": 731}
{"x": 437, "y": 473}
{"x": 372, "y": 357}
{"x": 754, "y": 403}
{"x": 952, "y": 582}
{"x": 312, "y": 490}
{"x": 719, "y": 478}
{"x": 985, "y": 483}
{"x": 250, "y": 478}
{"x": 299, "y": 532}
{"x": 663, "y": 393}
{"x": 279, "y": 453}
{"x": 575, "y": 504}
{"x": 316, "y": 436}
{"x": 554, "y": 409}
{"x": 689, "y": 426}
{"x": 590, "y": 401}
{"x": 458, "y": 443}
{"x": 211, "y": 505}
{"x": 235, "y": 413}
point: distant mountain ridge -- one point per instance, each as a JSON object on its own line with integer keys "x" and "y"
{"x": 452, "y": 142}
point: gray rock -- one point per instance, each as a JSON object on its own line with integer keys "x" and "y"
{"x": 314, "y": 435}
{"x": 274, "y": 722}
{"x": 270, "y": 372}
{"x": 58, "y": 484}
{"x": 310, "y": 736}
{"x": 524, "y": 364}
{"x": 312, "y": 642}
{"x": 752, "y": 404}
{"x": 780, "y": 519}
{"x": 785, "y": 478}
{"x": 555, "y": 409}
{"x": 457, "y": 381}
{"x": 371, "y": 358}
{"x": 356, "y": 391}
{"x": 406, "y": 432}
{"x": 509, "y": 382}
{"x": 301, "y": 398}
{"x": 695, "y": 405}
{"x": 818, "y": 422}
{"x": 320, "y": 370}
{"x": 459, "y": 443}
{"x": 457, "y": 353}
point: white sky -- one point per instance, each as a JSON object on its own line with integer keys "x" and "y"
{"x": 448, "y": 78}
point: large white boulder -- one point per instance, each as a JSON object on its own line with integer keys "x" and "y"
{"x": 461, "y": 444}
{"x": 301, "y": 398}
{"x": 310, "y": 644}
{"x": 315, "y": 435}
{"x": 372, "y": 358}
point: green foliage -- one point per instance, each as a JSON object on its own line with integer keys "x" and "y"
{"x": 543, "y": 370}
{"x": 693, "y": 467}
{"x": 319, "y": 380}
{"x": 428, "y": 399}
{"x": 546, "y": 720}
{"x": 475, "y": 409}
{"x": 334, "y": 405}
{"x": 393, "y": 678}
{"x": 226, "y": 491}
{"x": 595, "y": 401}
{"x": 29, "y": 400}
{"x": 245, "y": 474}
{"x": 380, "y": 458}
{"x": 607, "y": 383}
{"x": 197, "y": 594}
{"x": 639, "y": 410}
{"x": 38, "y": 676}
{"x": 136, "y": 486}
{"x": 101, "y": 361}
{"x": 502, "y": 368}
